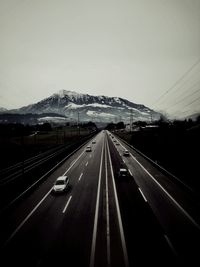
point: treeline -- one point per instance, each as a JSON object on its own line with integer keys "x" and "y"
{"x": 114, "y": 126}
{"x": 19, "y": 129}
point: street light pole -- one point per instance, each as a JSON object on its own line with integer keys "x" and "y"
{"x": 131, "y": 120}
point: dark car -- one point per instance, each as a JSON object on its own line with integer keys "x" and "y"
{"x": 123, "y": 172}
{"x": 88, "y": 149}
{"x": 126, "y": 153}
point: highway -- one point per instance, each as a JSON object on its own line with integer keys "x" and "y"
{"x": 103, "y": 220}
{"x": 15, "y": 180}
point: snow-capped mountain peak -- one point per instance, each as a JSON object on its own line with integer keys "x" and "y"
{"x": 89, "y": 107}
{"x": 62, "y": 93}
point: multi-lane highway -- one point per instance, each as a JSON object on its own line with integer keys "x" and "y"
{"x": 103, "y": 219}
{"x": 17, "y": 179}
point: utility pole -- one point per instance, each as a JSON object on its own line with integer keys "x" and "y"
{"x": 22, "y": 146}
{"x": 57, "y": 135}
{"x": 71, "y": 127}
{"x": 131, "y": 119}
{"x": 64, "y": 136}
{"x": 78, "y": 125}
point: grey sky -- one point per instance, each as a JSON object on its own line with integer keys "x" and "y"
{"x": 136, "y": 49}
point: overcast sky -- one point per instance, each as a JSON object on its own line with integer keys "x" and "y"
{"x": 147, "y": 51}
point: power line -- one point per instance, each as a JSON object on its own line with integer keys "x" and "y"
{"x": 187, "y": 96}
{"x": 189, "y": 110}
{"x": 178, "y": 81}
{"x": 187, "y": 89}
{"x": 182, "y": 88}
{"x": 183, "y": 93}
{"x": 192, "y": 102}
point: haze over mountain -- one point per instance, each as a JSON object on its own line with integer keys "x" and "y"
{"x": 89, "y": 107}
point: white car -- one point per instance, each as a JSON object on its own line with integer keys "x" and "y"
{"x": 61, "y": 184}
{"x": 94, "y": 142}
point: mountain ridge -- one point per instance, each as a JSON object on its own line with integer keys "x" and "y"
{"x": 90, "y": 107}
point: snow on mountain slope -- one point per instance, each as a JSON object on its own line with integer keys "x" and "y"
{"x": 3, "y": 109}
{"x": 96, "y": 108}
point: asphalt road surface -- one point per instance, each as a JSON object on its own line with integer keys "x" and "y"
{"x": 144, "y": 219}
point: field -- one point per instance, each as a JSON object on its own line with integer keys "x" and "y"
{"x": 17, "y": 147}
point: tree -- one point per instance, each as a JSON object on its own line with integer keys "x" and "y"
{"x": 120, "y": 125}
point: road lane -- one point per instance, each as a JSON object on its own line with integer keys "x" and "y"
{"x": 48, "y": 224}
{"x": 102, "y": 221}
{"x": 164, "y": 190}
{"x": 164, "y": 196}
{"x": 107, "y": 214}
{"x": 143, "y": 233}
{"x": 94, "y": 235}
{"x": 109, "y": 246}
{"x": 184, "y": 197}
{"x": 10, "y": 221}
{"x": 121, "y": 229}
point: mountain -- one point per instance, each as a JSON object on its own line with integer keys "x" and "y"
{"x": 88, "y": 107}
{"x": 2, "y": 109}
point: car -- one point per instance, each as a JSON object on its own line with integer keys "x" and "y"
{"x": 123, "y": 172}
{"x": 88, "y": 149}
{"x": 61, "y": 184}
{"x": 94, "y": 142}
{"x": 117, "y": 144}
{"x": 126, "y": 153}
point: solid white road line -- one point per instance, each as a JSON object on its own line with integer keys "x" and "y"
{"x": 67, "y": 204}
{"x": 27, "y": 217}
{"x": 107, "y": 215}
{"x": 94, "y": 235}
{"x": 130, "y": 172}
{"x": 170, "y": 245}
{"x": 34, "y": 209}
{"x": 175, "y": 202}
{"x": 126, "y": 261}
{"x": 142, "y": 194}
{"x": 74, "y": 163}
{"x": 80, "y": 176}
